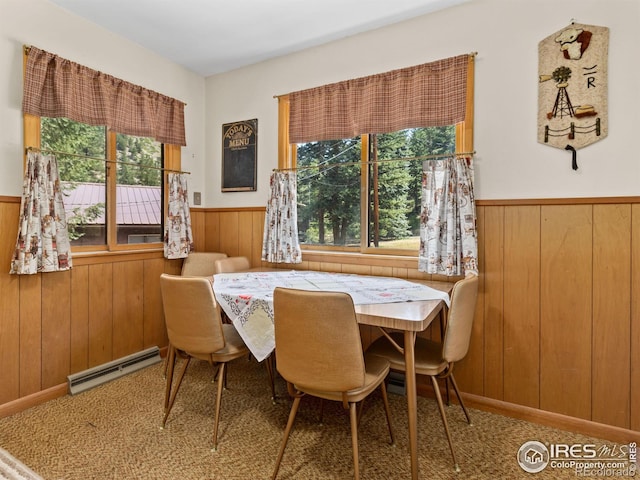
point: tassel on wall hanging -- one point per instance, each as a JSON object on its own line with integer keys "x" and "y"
{"x": 572, "y": 89}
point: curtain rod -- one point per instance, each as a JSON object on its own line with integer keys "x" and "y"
{"x": 87, "y": 157}
{"x": 408, "y": 159}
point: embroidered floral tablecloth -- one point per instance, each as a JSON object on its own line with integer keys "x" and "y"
{"x": 247, "y": 297}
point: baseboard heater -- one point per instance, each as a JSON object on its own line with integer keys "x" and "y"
{"x": 396, "y": 383}
{"x": 81, "y": 381}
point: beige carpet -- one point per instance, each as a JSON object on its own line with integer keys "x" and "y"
{"x": 112, "y": 432}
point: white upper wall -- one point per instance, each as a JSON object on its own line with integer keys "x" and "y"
{"x": 46, "y": 26}
{"x": 510, "y": 163}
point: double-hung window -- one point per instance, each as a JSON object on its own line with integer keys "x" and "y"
{"x": 362, "y": 193}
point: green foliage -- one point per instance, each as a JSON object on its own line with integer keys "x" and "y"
{"x": 329, "y": 193}
{"x": 137, "y": 152}
{"x": 423, "y": 142}
{"x": 64, "y": 135}
{"x": 329, "y": 197}
{"x": 81, "y": 217}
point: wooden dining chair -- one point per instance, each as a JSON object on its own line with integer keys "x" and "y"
{"x": 194, "y": 328}
{"x": 436, "y": 359}
{"x": 201, "y": 264}
{"x": 319, "y": 353}
{"x": 232, "y": 264}
{"x": 197, "y": 264}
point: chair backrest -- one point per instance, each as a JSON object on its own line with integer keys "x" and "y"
{"x": 232, "y": 264}
{"x": 191, "y": 314}
{"x": 460, "y": 320}
{"x": 318, "y": 342}
{"x": 201, "y": 264}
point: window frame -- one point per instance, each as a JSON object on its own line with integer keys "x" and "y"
{"x": 287, "y": 155}
{"x": 172, "y": 162}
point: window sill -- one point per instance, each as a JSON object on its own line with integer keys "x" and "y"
{"x": 357, "y": 258}
{"x": 103, "y": 256}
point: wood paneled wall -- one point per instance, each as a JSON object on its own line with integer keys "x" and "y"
{"x": 557, "y": 324}
{"x": 56, "y": 324}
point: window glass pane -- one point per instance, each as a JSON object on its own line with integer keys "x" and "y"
{"x": 82, "y": 179}
{"x": 329, "y": 192}
{"x": 138, "y": 190}
{"x": 395, "y": 185}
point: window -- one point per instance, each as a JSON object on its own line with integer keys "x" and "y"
{"x": 133, "y": 177}
{"x": 139, "y": 188}
{"x": 329, "y": 193}
{"x": 83, "y": 180}
{"x": 113, "y": 182}
{"x": 364, "y": 193}
{"x": 333, "y": 174}
{"x": 394, "y": 184}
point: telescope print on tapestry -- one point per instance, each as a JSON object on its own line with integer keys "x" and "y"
{"x": 572, "y": 89}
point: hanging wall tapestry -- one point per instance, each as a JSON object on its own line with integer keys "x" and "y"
{"x": 572, "y": 90}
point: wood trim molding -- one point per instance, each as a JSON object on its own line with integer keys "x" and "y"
{"x": 229, "y": 209}
{"x": 80, "y": 258}
{"x": 16, "y": 406}
{"x": 488, "y": 203}
{"x": 557, "y": 201}
{"x": 542, "y": 417}
{"x": 550, "y": 419}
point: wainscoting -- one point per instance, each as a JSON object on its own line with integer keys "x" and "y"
{"x": 557, "y": 327}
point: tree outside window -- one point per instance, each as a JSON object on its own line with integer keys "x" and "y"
{"x": 330, "y": 185}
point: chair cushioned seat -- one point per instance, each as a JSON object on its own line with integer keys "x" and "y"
{"x": 428, "y": 354}
{"x": 377, "y": 369}
{"x": 234, "y": 346}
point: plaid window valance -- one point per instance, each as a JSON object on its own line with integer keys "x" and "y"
{"x": 56, "y": 87}
{"x": 427, "y": 95}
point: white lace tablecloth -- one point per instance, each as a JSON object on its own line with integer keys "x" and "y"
{"x": 247, "y": 297}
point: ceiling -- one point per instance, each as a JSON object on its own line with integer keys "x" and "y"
{"x": 215, "y": 36}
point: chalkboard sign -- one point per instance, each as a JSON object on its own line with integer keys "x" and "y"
{"x": 239, "y": 156}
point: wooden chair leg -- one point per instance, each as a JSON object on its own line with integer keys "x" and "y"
{"x": 169, "y": 366}
{"x": 172, "y": 399}
{"x": 287, "y": 431}
{"x": 221, "y": 382}
{"x": 321, "y": 419}
{"x": 446, "y": 384}
{"x": 436, "y": 389}
{"x": 353, "y": 415}
{"x": 387, "y": 410}
{"x": 165, "y": 365}
{"x": 464, "y": 409}
{"x": 270, "y": 364}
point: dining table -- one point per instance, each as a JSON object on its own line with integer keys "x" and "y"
{"x": 386, "y": 302}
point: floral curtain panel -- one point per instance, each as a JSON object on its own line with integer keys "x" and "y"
{"x": 178, "y": 238}
{"x": 448, "y": 234}
{"x": 43, "y": 239}
{"x": 280, "y": 241}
